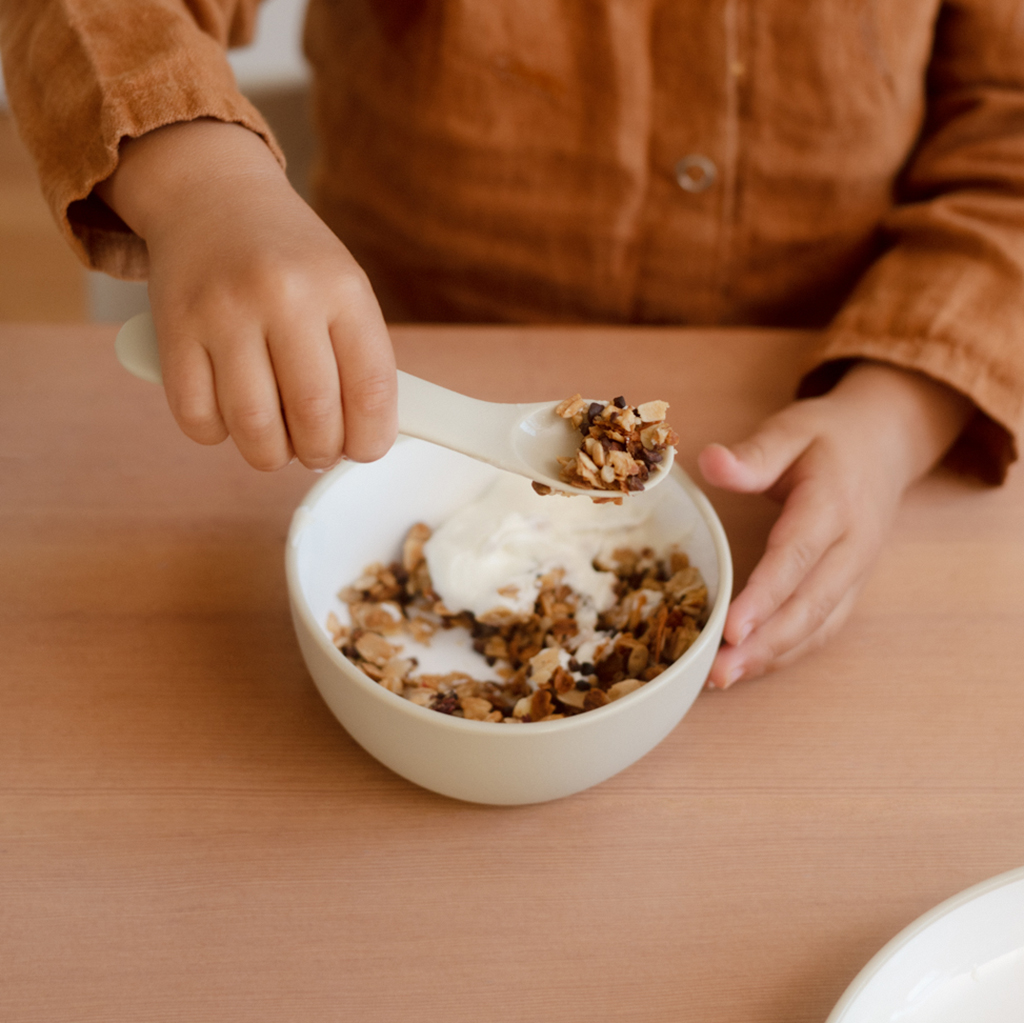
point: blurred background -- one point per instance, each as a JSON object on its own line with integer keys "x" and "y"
{"x": 40, "y": 279}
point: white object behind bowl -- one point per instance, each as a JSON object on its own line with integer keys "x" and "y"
{"x": 359, "y": 514}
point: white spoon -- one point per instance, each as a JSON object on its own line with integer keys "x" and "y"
{"x": 524, "y": 439}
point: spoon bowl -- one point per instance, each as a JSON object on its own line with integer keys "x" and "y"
{"x": 524, "y": 439}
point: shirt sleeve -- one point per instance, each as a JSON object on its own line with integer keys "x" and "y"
{"x": 83, "y": 75}
{"x": 946, "y": 297}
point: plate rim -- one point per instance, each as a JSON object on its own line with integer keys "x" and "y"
{"x": 875, "y": 964}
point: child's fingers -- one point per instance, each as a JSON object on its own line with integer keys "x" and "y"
{"x": 826, "y": 630}
{"x": 798, "y": 620}
{"x": 307, "y": 378}
{"x": 754, "y": 465}
{"x": 188, "y": 382}
{"x": 728, "y": 657}
{"x": 250, "y": 403}
{"x": 369, "y": 385}
{"x": 811, "y": 522}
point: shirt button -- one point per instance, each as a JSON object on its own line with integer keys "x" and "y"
{"x": 696, "y": 173}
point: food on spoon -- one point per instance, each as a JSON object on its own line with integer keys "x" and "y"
{"x": 621, "y": 444}
{"x": 567, "y": 611}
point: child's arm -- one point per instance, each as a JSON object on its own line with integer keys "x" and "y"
{"x": 840, "y": 463}
{"x": 269, "y": 331}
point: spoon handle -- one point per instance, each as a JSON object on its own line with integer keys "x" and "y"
{"x": 481, "y": 429}
{"x": 136, "y": 349}
{"x": 478, "y": 428}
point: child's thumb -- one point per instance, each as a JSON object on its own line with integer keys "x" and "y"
{"x": 754, "y": 465}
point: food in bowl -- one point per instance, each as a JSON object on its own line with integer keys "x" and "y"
{"x": 621, "y": 445}
{"x": 361, "y": 512}
{"x": 566, "y": 608}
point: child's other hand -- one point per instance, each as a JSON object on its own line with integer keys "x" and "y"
{"x": 269, "y": 331}
{"x": 840, "y": 464}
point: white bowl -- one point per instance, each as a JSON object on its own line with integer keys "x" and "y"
{"x": 360, "y": 513}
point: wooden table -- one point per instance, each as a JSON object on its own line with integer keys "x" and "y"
{"x": 187, "y": 834}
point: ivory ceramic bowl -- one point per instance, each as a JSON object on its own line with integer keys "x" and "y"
{"x": 358, "y": 514}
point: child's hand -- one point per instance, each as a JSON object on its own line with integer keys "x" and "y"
{"x": 268, "y": 329}
{"x": 840, "y": 464}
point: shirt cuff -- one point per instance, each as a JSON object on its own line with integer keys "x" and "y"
{"x": 102, "y": 240}
{"x": 988, "y": 444}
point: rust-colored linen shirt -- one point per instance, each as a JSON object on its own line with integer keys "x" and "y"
{"x": 839, "y": 163}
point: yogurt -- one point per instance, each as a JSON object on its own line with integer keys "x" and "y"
{"x": 491, "y": 554}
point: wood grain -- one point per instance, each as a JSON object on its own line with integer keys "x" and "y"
{"x": 186, "y": 833}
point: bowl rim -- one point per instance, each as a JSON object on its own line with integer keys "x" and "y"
{"x": 300, "y": 519}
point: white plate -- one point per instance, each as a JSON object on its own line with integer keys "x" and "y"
{"x": 962, "y": 962}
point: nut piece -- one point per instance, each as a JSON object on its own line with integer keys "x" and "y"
{"x": 572, "y": 698}
{"x": 543, "y": 665}
{"x": 475, "y": 708}
{"x": 572, "y": 408}
{"x": 395, "y": 672}
{"x": 521, "y": 711}
{"x": 375, "y": 649}
{"x": 652, "y": 411}
{"x": 412, "y": 548}
{"x": 624, "y": 688}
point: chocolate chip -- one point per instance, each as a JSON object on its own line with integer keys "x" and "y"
{"x": 619, "y": 402}
{"x": 447, "y": 704}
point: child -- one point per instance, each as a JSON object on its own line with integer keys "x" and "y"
{"x": 692, "y": 161}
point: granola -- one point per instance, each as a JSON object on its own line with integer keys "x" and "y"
{"x": 551, "y": 663}
{"x": 621, "y": 444}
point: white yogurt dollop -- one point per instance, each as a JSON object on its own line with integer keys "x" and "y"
{"x": 491, "y": 553}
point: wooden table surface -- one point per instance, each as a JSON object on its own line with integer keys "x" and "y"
{"x": 187, "y": 834}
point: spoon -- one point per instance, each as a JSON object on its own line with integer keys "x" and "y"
{"x": 524, "y": 439}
